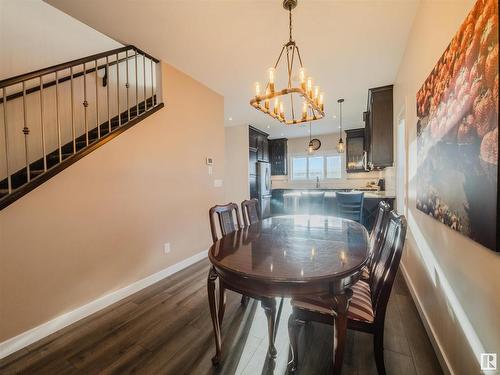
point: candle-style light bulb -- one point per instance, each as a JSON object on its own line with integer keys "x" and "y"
{"x": 320, "y": 101}
{"x": 272, "y": 77}
{"x": 266, "y": 102}
{"x": 282, "y": 111}
{"x": 276, "y": 105}
{"x": 302, "y": 78}
{"x": 304, "y": 110}
{"x": 309, "y": 86}
{"x": 316, "y": 92}
{"x": 257, "y": 88}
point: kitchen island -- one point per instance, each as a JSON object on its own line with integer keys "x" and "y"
{"x": 322, "y": 201}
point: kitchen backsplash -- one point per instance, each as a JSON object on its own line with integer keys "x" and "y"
{"x": 349, "y": 181}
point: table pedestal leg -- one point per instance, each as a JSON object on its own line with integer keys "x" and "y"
{"x": 340, "y": 329}
{"x": 269, "y": 306}
{"x": 212, "y": 276}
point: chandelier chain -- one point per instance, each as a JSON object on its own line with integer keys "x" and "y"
{"x": 290, "y": 19}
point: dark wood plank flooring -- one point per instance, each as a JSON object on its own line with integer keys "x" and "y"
{"x": 166, "y": 329}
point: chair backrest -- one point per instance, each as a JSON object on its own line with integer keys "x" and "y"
{"x": 350, "y": 205}
{"x": 384, "y": 271}
{"x": 225, "y": 214}
{"x": 377, "y": 233}
{"x": 250, "y": 211}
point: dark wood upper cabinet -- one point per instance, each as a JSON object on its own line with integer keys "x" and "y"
{"x": 379, "y": 128}
{"x": 258, "y": 140}
{"x": 278, "y": 156}
{"x": 355, "y": 150}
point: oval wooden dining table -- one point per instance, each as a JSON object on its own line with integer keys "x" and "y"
{"x": 289, "y": 256}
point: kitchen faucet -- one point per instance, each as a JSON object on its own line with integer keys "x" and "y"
{"x": 317, "y": 182}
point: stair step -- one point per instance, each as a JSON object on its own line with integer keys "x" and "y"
{"x": 55, "y": 156}
{"x": 36, "y": 172}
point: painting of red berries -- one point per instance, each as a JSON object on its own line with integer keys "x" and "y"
{"x": 457, "y": 131}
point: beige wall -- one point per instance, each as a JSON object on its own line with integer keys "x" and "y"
{"x": 101, "y": 224}
{"x": 236, "y": 166}
{"x": 456, "y": 280}
{"x": 35, "y": 35}
{"x": 328, "y": 145}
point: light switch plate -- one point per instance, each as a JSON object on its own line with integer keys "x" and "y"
{"x": 166, "y": 248}
{"x": 217, "y": 183}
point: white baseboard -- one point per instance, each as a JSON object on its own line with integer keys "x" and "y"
{"x": 26, "y": 338}
{"x": 443, "y": 359}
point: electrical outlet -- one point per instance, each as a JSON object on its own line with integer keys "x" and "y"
{"x": 166, "y": 248}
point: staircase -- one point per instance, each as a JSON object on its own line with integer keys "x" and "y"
{"x": 46, "y": 126}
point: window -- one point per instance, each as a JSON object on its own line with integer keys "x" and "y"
{"x": 299, "y": 168}
{"x": 311, "y": 167}
{"x": 333, "y": 167}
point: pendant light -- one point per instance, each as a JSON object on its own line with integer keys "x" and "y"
{"x": 340, "y": 145}
{"x": 310, "y": 147}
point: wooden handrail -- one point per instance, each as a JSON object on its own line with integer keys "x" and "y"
{"x": 36, "y": 88}
{"x": 52, "y": 69}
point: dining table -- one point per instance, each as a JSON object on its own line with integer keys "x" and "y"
{"x": 289, "y": 256}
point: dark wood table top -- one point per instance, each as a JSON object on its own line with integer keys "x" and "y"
{"x": 293, "y": 249}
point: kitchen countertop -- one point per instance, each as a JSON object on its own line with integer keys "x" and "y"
{"x": 330, "y": 193}
{"x": 326, "y": 189}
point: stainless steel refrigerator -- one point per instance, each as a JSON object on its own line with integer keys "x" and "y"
{"x": 264, "y": 188}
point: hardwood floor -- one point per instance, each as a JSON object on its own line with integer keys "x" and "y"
{"x": 166, "y": 329}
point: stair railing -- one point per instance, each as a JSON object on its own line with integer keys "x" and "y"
{"x": 54, "y": 116}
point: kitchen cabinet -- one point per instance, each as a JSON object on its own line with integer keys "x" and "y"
{"x": 379, "y": 127}
{"x": 258, "y": 150}
{"x": 258, "y": 140}
{"x": 252, "y": 161}
{"x": 252, "y": 181}
{"x": 278, "y": 156}
{"x": 355, "y": 150}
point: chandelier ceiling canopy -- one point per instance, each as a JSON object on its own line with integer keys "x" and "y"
{"x": 291, "y": 105}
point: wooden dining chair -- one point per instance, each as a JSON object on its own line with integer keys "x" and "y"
{"x": 226, "y": 214}
{"x": 376, "y": 237}
{"x": 250, "y": 211}
{"x": 350, "y": 205}
{"x": 369, "y": 299}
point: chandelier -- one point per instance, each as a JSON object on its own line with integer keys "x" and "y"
{"x": 305, "y": 101}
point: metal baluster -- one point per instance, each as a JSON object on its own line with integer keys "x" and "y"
{"x": 97, "y": 102}
{"x": 136, "y": 86}
{"x": 107, "y": 91}
{"x": 42, "y": 127}
{"x": 144, "y": 74}
{"x": 127, "y": 85}
{"x": 85, "y": 105}
{"x": 6, "y": 134}
{"x": 152, "y": 85}
{"x": 57, "y": 118}
{"x": 73, "y": 131}
{"x": 118, "y": 90}
{"x": 26, "y": 131}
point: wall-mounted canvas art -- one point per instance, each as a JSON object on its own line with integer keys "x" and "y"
{"x": 457, "y": 130}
